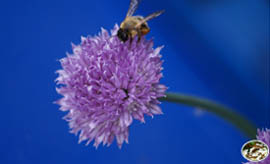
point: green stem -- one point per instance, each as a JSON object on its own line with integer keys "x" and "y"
{"x": 226, "y": 113}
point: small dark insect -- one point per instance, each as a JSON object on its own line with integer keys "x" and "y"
{"x": 135, "y": 25}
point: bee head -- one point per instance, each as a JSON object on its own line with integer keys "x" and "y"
{"x": 122, "y": 34}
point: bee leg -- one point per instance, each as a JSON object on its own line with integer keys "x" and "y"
{"x": 139, "y": 36}
{"x": 130, "y": 42}
{"x": 139, "y": 39}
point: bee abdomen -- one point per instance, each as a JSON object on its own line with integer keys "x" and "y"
{"x": 144, "y": 29}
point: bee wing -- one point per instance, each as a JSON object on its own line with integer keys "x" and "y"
{"x": 132, "y": 7}
{"x": 149, "y": 17}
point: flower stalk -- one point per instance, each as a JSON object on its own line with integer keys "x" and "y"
{"x": 247, "y": 127}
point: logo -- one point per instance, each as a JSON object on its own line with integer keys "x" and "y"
{"x": 255, "y": 150}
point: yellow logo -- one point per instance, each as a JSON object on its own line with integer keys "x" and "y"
{"x": 255, "y": 150}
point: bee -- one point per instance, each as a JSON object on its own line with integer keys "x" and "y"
{"x": 135, "y": 25}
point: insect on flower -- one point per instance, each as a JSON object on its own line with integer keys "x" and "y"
{"x": 105, "y": 86}
{"x": 135, "y": 25}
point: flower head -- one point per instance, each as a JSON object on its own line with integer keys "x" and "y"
{"x": 106, "y": 84}
{"x": 263, "y": 135}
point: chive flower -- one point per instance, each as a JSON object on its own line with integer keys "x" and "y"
{"x": 106, "y": 84}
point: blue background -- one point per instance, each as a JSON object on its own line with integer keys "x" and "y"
{"x": 214, "y": 49}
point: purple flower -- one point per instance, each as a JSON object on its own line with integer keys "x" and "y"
{"x": 263, "y": 135}
{"x": 106, "y": 84}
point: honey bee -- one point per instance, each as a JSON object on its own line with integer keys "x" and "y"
{"x": 135, "y": 25}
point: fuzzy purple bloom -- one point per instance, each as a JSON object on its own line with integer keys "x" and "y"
{"x": 106, "y": 84}
{"x": 263, "y": 135}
